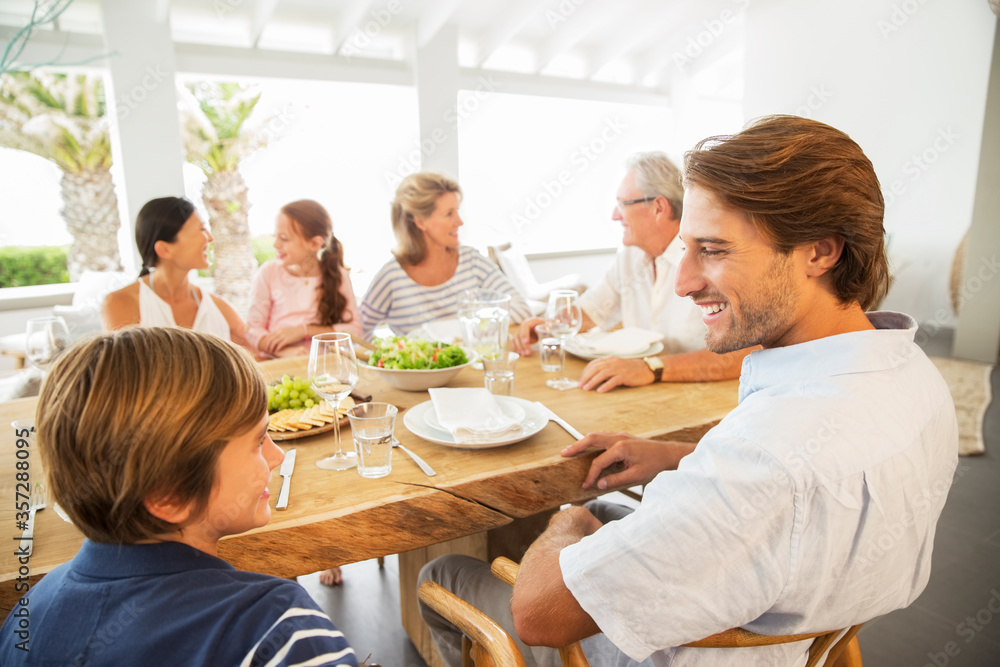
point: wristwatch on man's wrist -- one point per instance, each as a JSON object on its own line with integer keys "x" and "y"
{"x": 656, "y": 365}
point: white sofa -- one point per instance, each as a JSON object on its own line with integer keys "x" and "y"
{"x": 82, "y": 317}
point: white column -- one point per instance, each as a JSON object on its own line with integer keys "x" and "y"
{"x": 142, "y": 101}
{"x": 437, "y": 97}
{"x": 977, "y": 334}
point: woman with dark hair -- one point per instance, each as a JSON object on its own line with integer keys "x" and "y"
{"x": 172, "y": 240}
{"x": 306, "y": 290}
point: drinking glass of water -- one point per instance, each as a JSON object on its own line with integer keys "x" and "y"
{"x": 372, "y": 426}
{"x": 46, "y": 339}
{"x": 563, "y": 318}
{"x": 498, "y": 372}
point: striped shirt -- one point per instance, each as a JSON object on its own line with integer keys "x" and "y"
{"x": 395, "y": 299}
{"x": 170, "y": 604}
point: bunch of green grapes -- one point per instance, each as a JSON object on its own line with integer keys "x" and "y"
{"x": 290, "y": 393}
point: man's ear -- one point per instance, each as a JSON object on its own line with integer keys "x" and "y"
{"x": 168, "y": 508}
{"x": 664, "y": 207}
{"x": 823, "y": 255}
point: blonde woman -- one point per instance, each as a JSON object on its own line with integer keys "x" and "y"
{"x": 154, "y": 441}
{"x": 430, "y": 268}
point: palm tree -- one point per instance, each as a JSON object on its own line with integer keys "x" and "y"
{"x": 216, "y": 140}
{"x": 61, "y": 117}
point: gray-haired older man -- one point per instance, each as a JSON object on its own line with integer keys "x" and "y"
{"x": 638, "y": 290}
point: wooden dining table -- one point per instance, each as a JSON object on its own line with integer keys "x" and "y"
{"x": 484, "y": 502}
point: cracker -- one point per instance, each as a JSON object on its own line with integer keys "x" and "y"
{"x": 308, "y": 417}
{"x": 288, "y": 420}
{"x": 345, "y": 405}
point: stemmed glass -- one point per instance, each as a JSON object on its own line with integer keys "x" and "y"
{"x": 563, "y": 318}
{"x": 333, "y": 372}
{"x": 46, "y": 338}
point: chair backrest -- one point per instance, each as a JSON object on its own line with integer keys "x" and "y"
{"x": 489, "y": 644}
{"x": 845, "y": 651}
{"x": 515, "y": 266}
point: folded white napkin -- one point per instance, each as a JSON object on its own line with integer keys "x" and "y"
{"x": 472, "y": 415}
{"x": 627, "y": 340}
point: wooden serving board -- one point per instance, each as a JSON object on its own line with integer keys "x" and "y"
{"x": 278, "y": 436}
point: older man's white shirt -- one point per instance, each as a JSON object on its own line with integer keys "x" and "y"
{"x": 633, "y": 294}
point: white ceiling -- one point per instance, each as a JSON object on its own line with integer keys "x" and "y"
{"x": 638, "y": 44}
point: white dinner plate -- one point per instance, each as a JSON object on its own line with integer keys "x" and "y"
{"x": 654, "y": 348}
{"x": 535, "y": 419}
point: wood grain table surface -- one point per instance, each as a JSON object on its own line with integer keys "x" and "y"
{"x": 339, "y": 517}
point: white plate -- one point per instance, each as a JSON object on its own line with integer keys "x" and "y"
{"x": 654, "y": 348}
{"x": 447, "y": 331}
{"x": 534, "y": 421}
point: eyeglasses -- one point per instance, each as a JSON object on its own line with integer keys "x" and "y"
{"x": 622, "y": 204}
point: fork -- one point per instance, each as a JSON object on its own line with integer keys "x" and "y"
{"x": 36, "y": 502}
{"x": 429, "y": 471}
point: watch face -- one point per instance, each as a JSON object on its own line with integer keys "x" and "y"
{"x": 654, "y": 363}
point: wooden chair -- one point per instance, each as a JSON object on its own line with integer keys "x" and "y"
{"x": 485, "y": 643}
{"x": 845, "y": 651}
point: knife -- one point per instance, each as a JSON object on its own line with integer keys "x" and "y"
{"x": 559, "y": 420}
{"x": 286, "y": 472}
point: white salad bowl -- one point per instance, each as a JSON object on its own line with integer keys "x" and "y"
{"x": 418, "y": 380}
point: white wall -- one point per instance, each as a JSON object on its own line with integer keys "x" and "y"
{"x": 907, "y": 79}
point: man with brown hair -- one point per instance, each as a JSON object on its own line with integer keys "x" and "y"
{"x": 812, "y": 506}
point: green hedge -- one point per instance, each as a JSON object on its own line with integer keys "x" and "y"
{"x": 46, "y": 265}
{"x": 42, "y": 265}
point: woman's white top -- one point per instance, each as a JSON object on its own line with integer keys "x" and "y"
{"x": 155, "y": 312}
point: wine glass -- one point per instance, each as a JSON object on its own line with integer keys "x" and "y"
{"x": 46, "y": 338}
{"x": 333, "y": 372}
{"x": 563, "y": 318}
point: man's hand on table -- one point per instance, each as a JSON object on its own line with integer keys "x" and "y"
{"x": 610, "y": 372}
{"x": 640, "y": 460}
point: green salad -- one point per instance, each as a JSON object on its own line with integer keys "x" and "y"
{"x": 417, "y": 354}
